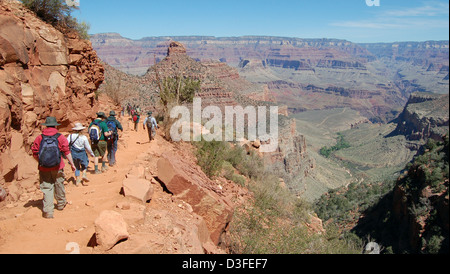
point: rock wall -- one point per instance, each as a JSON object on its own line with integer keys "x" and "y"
{"x": 425, "y": 116}
{"x": 42, "y": 73}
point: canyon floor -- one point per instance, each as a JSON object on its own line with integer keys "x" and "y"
{"x": 23, "y": 230}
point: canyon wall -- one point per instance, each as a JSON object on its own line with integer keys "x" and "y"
{"x": 42, "y": 73}
{"x": 425, "y": 116}
{"x": 304, "y": 74}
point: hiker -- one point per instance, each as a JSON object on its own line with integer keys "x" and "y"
{"x": 79, "y": 147}
{"x": 97, "y": 132}
{"x": 151, "y": 124}
{"x": 48, "y": 149}
{"x": 113, "y": 126}
{"x": 136, "y": 118}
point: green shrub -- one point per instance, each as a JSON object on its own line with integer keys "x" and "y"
{"x": 58, "y": 14}
{"x": 341, "y": 144}
{"x": 274, "y": 221}
{"x": 210, "y": 156}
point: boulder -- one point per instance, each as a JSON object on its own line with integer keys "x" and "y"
{"x": 140, "y": 189}
{"x": 188, "y": 182}
{"x": 110, "y": 228}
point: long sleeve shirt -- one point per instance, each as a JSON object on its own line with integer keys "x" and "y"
{"x": 63, "y": 145}
{"x": 152, "y": 122}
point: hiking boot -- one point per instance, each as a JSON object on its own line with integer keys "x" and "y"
{"x": 61, "y": 207}
{"x": 104, "y": 168}
{"x": 47, "y": 215}
{"x": 98, "y": 172}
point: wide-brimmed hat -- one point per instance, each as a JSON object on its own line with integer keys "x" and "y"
{"x": 112, "y": 113}
{"x": 101, "y": 115}
{"x": 51, "y": 122}
{"x": 78, "y": 126}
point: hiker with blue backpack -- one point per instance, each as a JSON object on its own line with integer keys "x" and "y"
{"x": 80, "y": 147}
{"x": 48, "y": 149}
{"x": 98, "y": 131}
{"x": 113, "y": 126}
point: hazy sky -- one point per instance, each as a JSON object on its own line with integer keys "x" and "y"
{"x": 353, "y": 20}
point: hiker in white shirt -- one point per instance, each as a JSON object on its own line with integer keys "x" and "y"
{"x": 152, "y": 126}
{"x": 79, "y": 147}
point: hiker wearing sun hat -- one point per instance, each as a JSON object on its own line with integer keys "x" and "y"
{"x": 80, "y": 147}
{"x": 48, "y": 149}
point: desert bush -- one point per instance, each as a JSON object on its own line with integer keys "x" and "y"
{"x": 228, "y": 171}
{"x": 177, "y": 90}
{"x": 274, "y": 221}
{"x": 58, "y": 14}
{"x": 174, "y": 91}
{"x": 210, "y": 156}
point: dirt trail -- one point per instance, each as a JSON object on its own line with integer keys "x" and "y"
{"x": 328, "y": 117}
{"x": 23, "y": 230}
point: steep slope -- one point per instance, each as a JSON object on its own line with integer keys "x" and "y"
{"x": 425, "y": 116}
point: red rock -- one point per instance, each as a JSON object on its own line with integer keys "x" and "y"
{"x": 176, "y": 48}
{"x": 110, "y": 228}
{"x": 36, "y": 81}
{"x": 140, "y": 189}
{"x": 191, "y": 185}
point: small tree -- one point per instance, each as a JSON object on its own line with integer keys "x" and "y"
{"x": 58, "y": 14}
{"x": 51, "y": 11}
{"x": 178, "y": 90}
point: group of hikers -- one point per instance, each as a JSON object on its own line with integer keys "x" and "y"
{"x": 51, "y": 147}
{"x": 149, "y": 122}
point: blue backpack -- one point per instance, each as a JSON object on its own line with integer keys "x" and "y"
{"x": 49, "y": 153}
{"x": 113, "y": 128}
{"x": 95, "y": 132}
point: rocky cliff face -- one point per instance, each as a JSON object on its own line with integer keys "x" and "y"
{"x": 421, "y": 203}
{"x": 42, "y": 73}
{"x": 132, "y": 55}
{"x": 374, "y": 79}
{"x": 425, "y": 116}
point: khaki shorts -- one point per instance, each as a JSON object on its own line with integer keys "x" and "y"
{"x": 100, "y": 148}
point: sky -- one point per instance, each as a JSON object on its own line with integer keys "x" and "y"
{"x": 359, "y": 21}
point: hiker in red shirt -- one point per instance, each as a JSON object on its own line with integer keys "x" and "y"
{"x": 48, "y": 149}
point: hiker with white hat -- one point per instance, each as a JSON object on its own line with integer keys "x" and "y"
{"x": 79, "y": 147}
